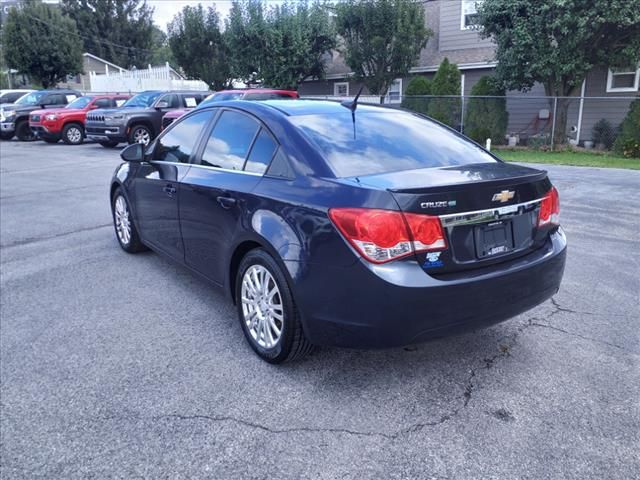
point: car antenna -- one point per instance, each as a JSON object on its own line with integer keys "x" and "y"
{"x": 352, "y": 105}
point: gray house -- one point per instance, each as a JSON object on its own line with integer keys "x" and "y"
{"x": 529, "y": 113}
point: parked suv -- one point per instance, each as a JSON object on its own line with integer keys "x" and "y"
{"x": 68, "y": 123}
{"x": 14, "y": 119}
{"x": 239, "y": 94}
{"x": 139, "y": 119}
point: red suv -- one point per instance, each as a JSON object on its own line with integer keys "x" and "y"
{"x": 68, "y": 123}
{"x": 239, "y": 94}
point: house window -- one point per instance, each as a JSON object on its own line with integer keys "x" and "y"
{"x": 341, "y": 89}
{"x": 469, "y": 14}
{"x": 623, "y": 79}
{"x": 394, "y": 94}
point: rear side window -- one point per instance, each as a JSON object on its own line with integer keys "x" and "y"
{"x": 230, "y": 140}
{"x": 261, "y": 153}
{"x": 118, "y": 102}
{"x": 386, "y": 141}
{"x": 179, "y": 142}
{"x": 191, "y": 101}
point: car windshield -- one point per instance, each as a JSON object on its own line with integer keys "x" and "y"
{"x": 144, "y": 99}
{"x": 80, "y": 102}
{"x": 386, "y": 141}
{"x": 30, "y": 98}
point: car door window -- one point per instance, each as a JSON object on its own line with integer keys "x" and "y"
{"x": 177, "y": 144}
{"x": 261, "y": 153}
{"x": 229, "y": 142}
{"x": 172, "y": 101}
{"x": 54, "y": 99}
{"x": 102, "y": 103}
{"x": 118, "y": 102}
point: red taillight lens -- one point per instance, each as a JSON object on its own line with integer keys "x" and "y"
{"x": 550, "y": 209}
{"x": 385, "y": 235}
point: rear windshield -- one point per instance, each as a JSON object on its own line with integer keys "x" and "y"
{"x": 386, "y": 141}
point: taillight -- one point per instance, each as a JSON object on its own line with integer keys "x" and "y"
{"x": 384, "y": 235}
{"x": 550, "y": 209}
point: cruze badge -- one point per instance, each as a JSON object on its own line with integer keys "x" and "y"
{"x": 503, "y": 196}
{"x": 441, "y": 204}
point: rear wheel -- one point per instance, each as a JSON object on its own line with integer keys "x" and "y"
{"x": 140, "y": 134}
{"x": 267, "y": 310}
{"x": 109, "y": 144}
{"x": 23, "y": 132}
{"x": 126, "y": 231}
{"x": 73, "y": 134}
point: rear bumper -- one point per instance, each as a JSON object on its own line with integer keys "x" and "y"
{"x": 368, "y": 306}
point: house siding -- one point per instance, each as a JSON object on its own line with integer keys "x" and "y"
{"x": 452, "y": 37}
{"x": 614, "y": 108}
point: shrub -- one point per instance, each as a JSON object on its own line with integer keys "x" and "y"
{"x": 628, "y": 142}
{"x": 417, "y": 87}
{"x": 603, "y": 133}
{"x": 487, "y": 117}
{"x": 446, "y": 82}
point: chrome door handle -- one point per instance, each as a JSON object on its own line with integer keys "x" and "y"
{"x": 226, "y": 202}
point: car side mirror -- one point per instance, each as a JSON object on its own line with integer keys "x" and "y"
{"x": 133, "y": 153}
{"x": 162, "y": 104}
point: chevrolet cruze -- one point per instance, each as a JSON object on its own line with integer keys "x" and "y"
{"x": 342, "y": 224}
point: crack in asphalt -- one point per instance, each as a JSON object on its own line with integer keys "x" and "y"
{"x": 30, "y": 240}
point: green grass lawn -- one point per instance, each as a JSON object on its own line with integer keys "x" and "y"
{"x": 581, "y": 159}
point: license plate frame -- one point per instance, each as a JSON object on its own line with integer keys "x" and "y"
{"x": 494, "y": 239}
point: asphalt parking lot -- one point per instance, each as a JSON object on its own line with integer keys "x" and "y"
{"x": 121, "y": 366}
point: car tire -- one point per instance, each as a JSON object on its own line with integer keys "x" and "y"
{"x": 6, "y": 136}
{"x": 125, "y": 228}
{"x": 109, "y": 144}
{"x": 265, "y": 307}
{"x": 73, "y": 134}
{"x": 24, "y": 132}
{"x": 50, "y": 140}
{"x": 140, "y": 134}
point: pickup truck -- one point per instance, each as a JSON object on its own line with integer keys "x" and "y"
{"x": 139, "y": 120}
{"x": 67, "y": 123}
{"x": 14, "y": 118}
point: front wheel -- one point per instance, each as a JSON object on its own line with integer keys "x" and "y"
{"x": 140, "y": 134}
{"x": 126, "y": 231}
{"x": 73, "y": 134}
{"x": 6, "y": 136}
{"x": 24, "y": 132}
{"x": 267, "y": 310}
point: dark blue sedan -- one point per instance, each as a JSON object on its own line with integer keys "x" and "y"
{"x": 329, "y": 224}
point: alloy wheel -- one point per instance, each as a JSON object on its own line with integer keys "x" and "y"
{"x": 141, "y": 135}
{"x": 262, "y": 307}
{"x": 74, "y": 135}
{"x": 121, "y": 217}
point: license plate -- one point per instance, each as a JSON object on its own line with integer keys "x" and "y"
{"x": 494, "y": 238}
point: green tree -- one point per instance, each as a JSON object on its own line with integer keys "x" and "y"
{"x": 299, "y": 35}
{"x": 628, "y": 140}
{"x": 246, "y": 36}
{"x": 487, "y": 117}
{"x": 557, "y": 42}
{"x": 161, "y": 51}
{"x": 199, "y": 47}
{"x": 120, "y": 31}
{"x": 381, "y": 39}
{"x": 39, "y": 41}
{"x": 415, "y": 95}
{"x": 446, "y": 84}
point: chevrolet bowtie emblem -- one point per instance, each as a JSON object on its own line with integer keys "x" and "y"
{"x": 503, "y": 196}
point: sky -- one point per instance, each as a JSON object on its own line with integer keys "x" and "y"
{"x": 164, "y": 10}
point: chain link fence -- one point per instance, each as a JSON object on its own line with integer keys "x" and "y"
{"x": 521, "y": 120}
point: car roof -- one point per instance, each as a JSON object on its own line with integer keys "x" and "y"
{"x": 320, "y": 107}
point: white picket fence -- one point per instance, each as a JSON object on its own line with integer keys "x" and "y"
{"x": 152, "y": 78}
